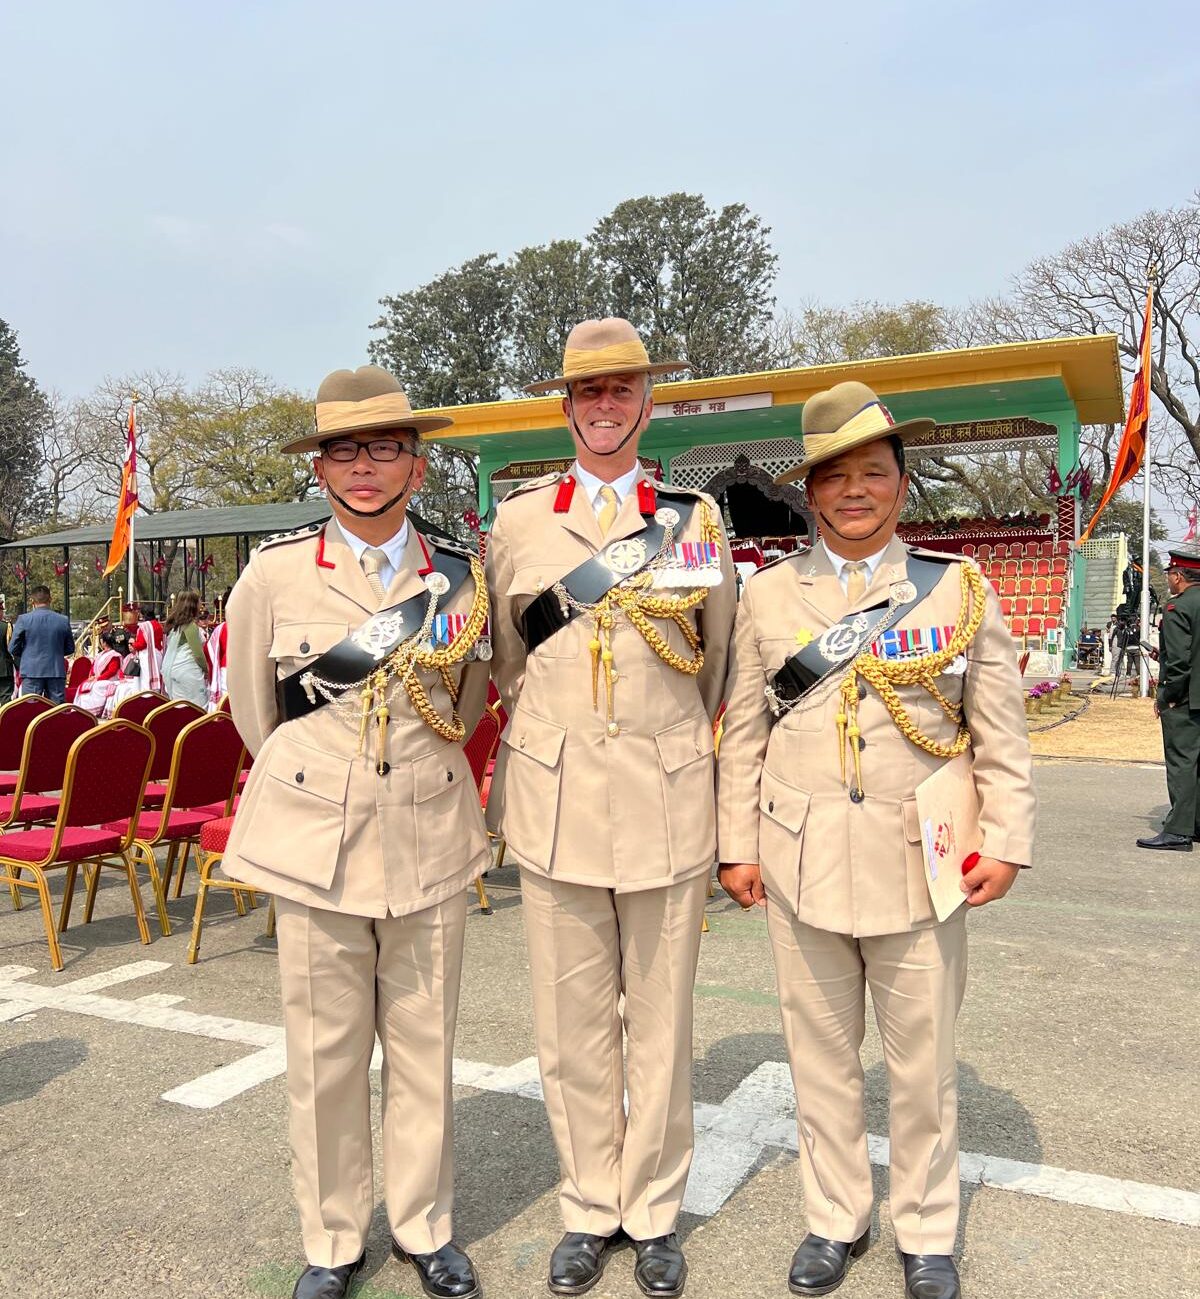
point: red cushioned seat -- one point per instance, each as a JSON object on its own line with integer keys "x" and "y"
{"x": 214, "y": 835}
{"x": 33, "y": 845}
{"x": 8, "y": 783}
{"x": 183, "y": 824}
{"x": 243, "y": 776}
{"x": 33, "y": 808}
{"x": 156, "y": 792}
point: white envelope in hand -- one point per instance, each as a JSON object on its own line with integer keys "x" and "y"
{"x": 948, "y": 813}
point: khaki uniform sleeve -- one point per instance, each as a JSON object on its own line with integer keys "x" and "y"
{"x": 717, "y": 615}
{"x": 1003, "y": 765}
{"x": 472, "y": 694}
{"x": 746, "y": 731}
{"x": 508, "y": 645}
{"x": 251, "y": 671}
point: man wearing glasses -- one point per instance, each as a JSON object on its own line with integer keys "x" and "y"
{"x": 354, "y": 672}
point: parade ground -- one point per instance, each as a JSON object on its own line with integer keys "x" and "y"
{"x": 144, "y": 1133}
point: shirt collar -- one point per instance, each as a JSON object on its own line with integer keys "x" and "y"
{"x": 394, "y": 547}
{"x": 839, "y": 562}
{"x": 592, "y": 485}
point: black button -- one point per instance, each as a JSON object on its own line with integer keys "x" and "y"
{"x": 771, "y": 806}
{"x": 862, "y": 692}
{"x": 299, "y": 778}
{"x": 304, "y": 647}
{"x": 384, "y": 768}
{"x": 862, "y": 743}
{"x": 856, "y": 795}
{"x": 450, "y": 777}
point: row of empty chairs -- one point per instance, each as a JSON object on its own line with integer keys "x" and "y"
{"x": 1017, "y": 550}
{"x": 90, "y": 794}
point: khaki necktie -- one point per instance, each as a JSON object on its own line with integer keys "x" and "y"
{"x": 373, "y": 559}
{"x": 608, "y": 510}
{"x": 856, "y": 580}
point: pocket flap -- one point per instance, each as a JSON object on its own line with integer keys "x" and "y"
{"x": 309, "y": 770}
{"x": 533, "y": 579}
{"x": 783, "y": 803}
{"x": 684, "y": 742}
{"x": 434, "y": 774}
{"x": 297, "y": 640}
{"x": 532, "y": 735}
{"x": 912, "y": 822}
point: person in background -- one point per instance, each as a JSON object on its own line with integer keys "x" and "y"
{"x": 41, "y": 641}
{"x": 97, "y": 692}
{"x": 6, "y": 658}
{"x": 184, "y": 665}
{"x": 146, "y": 642}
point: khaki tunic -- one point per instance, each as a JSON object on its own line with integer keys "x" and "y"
{"x": 629, "y": 812}
{"x": 857, "y": 868}
{"x": 316, "y": 823}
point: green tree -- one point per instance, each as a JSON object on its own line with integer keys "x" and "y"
{"x": 824, "y": 335}
{"x": 553, "y": 287}
{"x": 23, "y": 409}
{"x": 695, "y": 282}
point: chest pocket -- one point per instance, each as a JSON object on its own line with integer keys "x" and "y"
{"x": 296, "y": 644}
{"x": 528, "y": 583}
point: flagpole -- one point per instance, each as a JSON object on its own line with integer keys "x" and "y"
{"x": 132, "y": 548}
{"x": 1144, "y": 619}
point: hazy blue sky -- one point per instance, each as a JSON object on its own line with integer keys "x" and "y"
{"x": 190, "y": 186}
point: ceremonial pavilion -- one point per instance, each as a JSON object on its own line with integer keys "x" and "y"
{"x": 732, "y": 436}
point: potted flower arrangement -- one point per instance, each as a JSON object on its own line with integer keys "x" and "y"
{"x": 1064, "y": 686}
{"x": 1041, "y": 693}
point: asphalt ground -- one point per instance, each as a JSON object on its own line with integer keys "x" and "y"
{"x": 1078, "y": 1049}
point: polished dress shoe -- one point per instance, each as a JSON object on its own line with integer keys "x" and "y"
{"x": 661, "y": 1269}
{"x": 929, "y": 1276}
{"x": 577, "y": 1262}
{"x": 1168, "y": 841}
{"x": 328, "y": 1282}
{"x": 819, "y": 1266}
{"x": 447, "y": 1273}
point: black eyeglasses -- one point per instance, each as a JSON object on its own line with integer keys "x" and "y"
{"x": 345, "y": 450}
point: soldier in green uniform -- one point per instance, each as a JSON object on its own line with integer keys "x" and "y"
{"x": 1178, "y": 701}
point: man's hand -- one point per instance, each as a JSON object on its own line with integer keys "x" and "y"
{"x": 743, "y": 883}
{"x": 988, "y": 880}
{"x": 1157, "y": 713}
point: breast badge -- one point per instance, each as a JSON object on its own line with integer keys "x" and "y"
{"x": 625, "y": 557}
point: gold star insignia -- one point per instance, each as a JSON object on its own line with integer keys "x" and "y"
{"x": 803, "y": 636}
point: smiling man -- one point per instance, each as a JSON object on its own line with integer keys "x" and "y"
{"x": 859, "y": 669}
{"x": 614, "y": 602}
{"x": 351, "y": 680}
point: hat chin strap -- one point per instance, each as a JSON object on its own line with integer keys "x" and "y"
{"x": 579, "y": 432}
{"x": 842, "y": 536}
{"x": 383, "y": 509}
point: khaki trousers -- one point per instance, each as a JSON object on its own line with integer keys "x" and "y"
{"x": 344, "y": 979}
{"x": 587, "y": 945}
{"x": 917, "y": 981}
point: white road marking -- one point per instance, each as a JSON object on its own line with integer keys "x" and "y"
{"x": 161, "y": 999}
{"x": 757, "y": 1116}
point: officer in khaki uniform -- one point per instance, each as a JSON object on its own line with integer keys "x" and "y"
{"x": 885, "y": 662}
{"x": 361, "y": 817}
{"x": 613, "y": 605}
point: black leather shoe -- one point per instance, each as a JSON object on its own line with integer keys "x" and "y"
{"x": 1169, "y": 842}
{"x": 577, "y": 1262}
{"x": 819, "y": 1266}
{"x": 328, "y": 1282}
{"x": 661, "y": 1269}
{"x": 447, "y": 1273}
{"x": 929, "y": 1276}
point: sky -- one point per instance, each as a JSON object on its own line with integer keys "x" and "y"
{"x": 189, "y": 187}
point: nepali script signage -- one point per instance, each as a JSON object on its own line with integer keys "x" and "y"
{"x": 710, "y": 405}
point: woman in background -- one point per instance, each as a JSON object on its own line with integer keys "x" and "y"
{"x": 185, "y": 668}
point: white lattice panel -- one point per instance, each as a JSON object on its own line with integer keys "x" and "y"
{"x": 696, "y": 467}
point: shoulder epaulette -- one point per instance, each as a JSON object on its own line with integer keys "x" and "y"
{"x": 781, "y": 559}
{"x": 297, "y": 534}
{"x": 452, "y": 546}
{"x": 938, "y": 556}
{"x": 532, "y": 485}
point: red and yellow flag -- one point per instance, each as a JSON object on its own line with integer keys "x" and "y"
{"x": 128, "y": 499}
{"x": 1130, "y": 453}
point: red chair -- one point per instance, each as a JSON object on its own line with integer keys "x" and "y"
{"x": 1012, "y": 568}
{"x": 1008, "y": 586}
{"x": 136, "y": 708}
{"x": 1033, "y": 628}
{"x": 1000, "y": 550}
{"x": 1021, "y": 605}
{"x": 1047, "y": 549}
{"x": 1054, "y": 606}
{"x": 968, "y": 550}
{"x": 104, "y": 779}
{"x": 1058, "y": 566}
{"x": 1015, "y": 550}
{"x": 1025, "y": 586}
{"x": 1041, "y": 586}
{"x": 1043, "y": 568}
{"x": 1062, "y": 548}
{"x": 995, "y": 581}
{"x": 166, "y": 723}
{"x": 1051, "y": 623}
{"x": 1017, "y": 627}
{"x": 984, "y": 553}
{"x": 1038, "y": 605}
{"x": 480, "y": 748}
{"x": 1058, "y": 586}
{"x": 15, "y": 718}
{"x": 214, "y": 839}
{"x": 81, "y": 669}
{"x": 1006, "y": 606}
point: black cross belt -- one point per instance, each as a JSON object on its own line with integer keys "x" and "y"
{"x": 809, "y": 666}
{"x": 593, "y": 579}
{"x": 347, "y": 663}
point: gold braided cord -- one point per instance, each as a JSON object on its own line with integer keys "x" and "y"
{"x": 709, "y": 531}
{"x": 884, "y": 675}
